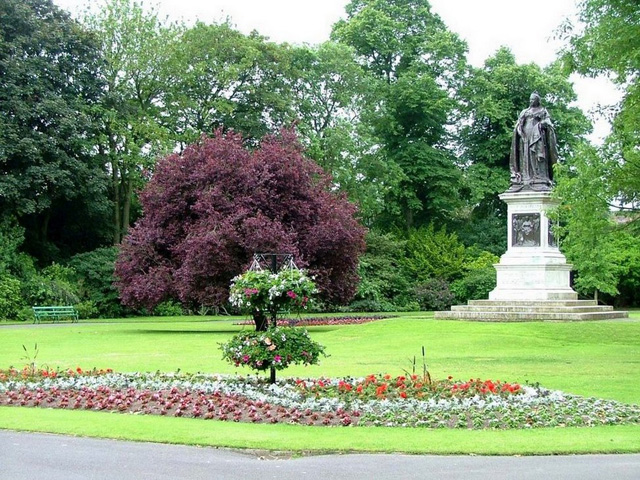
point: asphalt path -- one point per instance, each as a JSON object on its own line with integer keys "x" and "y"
{"x": 25, "y": 456}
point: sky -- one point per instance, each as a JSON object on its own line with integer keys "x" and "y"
{"x": 527, "y": 28}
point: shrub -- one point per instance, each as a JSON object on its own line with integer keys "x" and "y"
{"x": 168, "y": 308}
{"x": 370, "y": 306}
{"x": 10, "y": 297}
{"x": 86, "y": 309}
{"x": 434, "y": 294}
{"x": 25, "y": 314}
{"x": 479, "y": 277}
{"x": 53, "y": 286}
{"x": 384, "y": 283}
{"x": 475, "y": 285}
{"x": 433, "y": 254}
{"x": 94, "y": 277}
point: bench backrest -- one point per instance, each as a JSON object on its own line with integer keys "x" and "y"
{"x": 55, "y": 309}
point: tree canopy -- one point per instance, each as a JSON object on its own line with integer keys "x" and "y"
{"x": 416, "y": 63}
{"x": 606, "y": 42}
{"x": 209, "y": 209}
{"x": 49, "y": 89}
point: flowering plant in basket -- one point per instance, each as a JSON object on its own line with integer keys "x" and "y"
{"x": 277, "y": 347}
{"x": 266, "y": 292}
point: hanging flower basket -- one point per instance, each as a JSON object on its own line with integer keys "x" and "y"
{"x": 266, "y": 292}
{"x": 276, "y": 348}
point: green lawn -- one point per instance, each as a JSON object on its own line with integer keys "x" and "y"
{"x": 599, "y": 359}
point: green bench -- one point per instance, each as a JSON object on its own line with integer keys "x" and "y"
{"x": 55, "y": 313}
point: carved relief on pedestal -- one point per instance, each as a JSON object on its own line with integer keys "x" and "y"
{"x": 525, "y": 230}
{"x": 552, "y": 238}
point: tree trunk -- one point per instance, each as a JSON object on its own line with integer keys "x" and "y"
{"x": 116, "y": 203}
{"x": 126, "y": 207}
{"x": 408, "y": 218}
{"x": 595, "y": 295}
{"x": 44, "y": 226}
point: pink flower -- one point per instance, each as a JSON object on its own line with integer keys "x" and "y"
{"x": 277, "y": 359}
{"x": 291, "y": 294}
{"x": 246, "y": 358}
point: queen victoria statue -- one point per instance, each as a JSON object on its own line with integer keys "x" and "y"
{"x": 533, "y": 149}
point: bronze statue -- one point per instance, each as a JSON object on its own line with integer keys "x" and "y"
{"x": 533, "y": 149}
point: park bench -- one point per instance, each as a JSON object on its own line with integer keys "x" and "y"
{"x": 55, "y": 312}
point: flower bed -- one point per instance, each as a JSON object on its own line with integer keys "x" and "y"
{"x": 320, "y": 321}
{"x": 374, "y": 400}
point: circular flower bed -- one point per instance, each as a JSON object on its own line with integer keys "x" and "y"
{"x": 408, "y": 401}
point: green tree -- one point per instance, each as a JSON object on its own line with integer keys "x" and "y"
{"x": 329, "y": 90}
{"x": 586, "y": 227}
{"x": 625, "y": 246}
{"x": 417, "y": 65}
{"x": 135, "y": 45}
{"x": 50, "y": 86}
{"x": 606, "y": 42}
{"x": 222, "y": 78}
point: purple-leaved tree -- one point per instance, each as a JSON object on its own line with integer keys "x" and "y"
{"x": 208, "y": 210}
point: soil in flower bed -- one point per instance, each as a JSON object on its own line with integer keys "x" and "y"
{"x": 321, "y": 321}
{"x": 373, "y": 400}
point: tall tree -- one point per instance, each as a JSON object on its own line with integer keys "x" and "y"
{"x": 222, "y": 78}
{"x": 49, "y": 89}
{"x": 606, "y": 42}
{"x": 330, "y": 89}
{"x": 418, "y": 64}
{"x": 587, "y": 229}
{"x": 135, "y": 45}
{"x": 208, "y": 210}
{"x": 493, "y": 96}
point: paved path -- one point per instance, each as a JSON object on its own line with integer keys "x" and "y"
{"x": 25, "y": 456}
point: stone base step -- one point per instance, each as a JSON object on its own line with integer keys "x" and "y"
{"x": 539, "y": 303}
{"x": 480, "y": 315}
{"x": 531, "y": 308}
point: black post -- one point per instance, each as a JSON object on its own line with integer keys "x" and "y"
{"x": 274, "y": 320}
{"x": 261, "y": 259}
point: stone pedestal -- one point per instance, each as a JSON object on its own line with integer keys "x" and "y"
{"x": 533, "y": 275}
{"x": 533, "y": 268}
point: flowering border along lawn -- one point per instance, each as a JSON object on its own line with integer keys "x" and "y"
{"x": 323, "y": 321}
{"x": 380, "y": 400}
